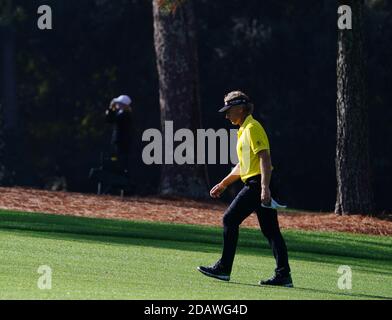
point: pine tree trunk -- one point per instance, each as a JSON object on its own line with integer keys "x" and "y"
{"x": 176, "y": 56}
{"x": 354, "y": 190}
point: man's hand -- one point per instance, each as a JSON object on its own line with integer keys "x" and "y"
{"x": 265, "y": 196}
{"x": 217, "y": 190}
{"x": 227, "y": 181}
{"x": 113, "y": 105}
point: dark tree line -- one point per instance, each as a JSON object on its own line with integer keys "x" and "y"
{"x": 283, "y": 54}
{"x": 10, "y": 131}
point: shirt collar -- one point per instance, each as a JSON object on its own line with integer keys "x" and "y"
{"x": 248, "y": 119}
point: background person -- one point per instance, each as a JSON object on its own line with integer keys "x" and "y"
{"x": 119, "y": 113}
{"x": 254, "y": 169}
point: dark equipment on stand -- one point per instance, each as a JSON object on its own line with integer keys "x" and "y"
{"x": 109, "y": 176}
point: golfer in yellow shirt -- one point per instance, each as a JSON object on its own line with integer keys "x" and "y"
{"x": 254, "y": 169}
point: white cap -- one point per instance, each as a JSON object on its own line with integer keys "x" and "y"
{"x": 123, "y": 100}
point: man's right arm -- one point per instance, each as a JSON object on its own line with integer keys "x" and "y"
{"x": 232, "y": 177}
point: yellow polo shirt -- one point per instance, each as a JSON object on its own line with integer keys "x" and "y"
{"x": 252, "y": 139}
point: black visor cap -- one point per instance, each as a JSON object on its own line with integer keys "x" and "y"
{"x": 232, "y": 103}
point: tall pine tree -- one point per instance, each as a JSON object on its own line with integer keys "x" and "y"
{"x": 177, "y": 64}
{"x": 353, "y": 170}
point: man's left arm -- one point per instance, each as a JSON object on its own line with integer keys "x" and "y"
{"x": 266, "y": 171}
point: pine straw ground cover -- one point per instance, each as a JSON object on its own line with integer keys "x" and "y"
{"x": 177, "y": 211}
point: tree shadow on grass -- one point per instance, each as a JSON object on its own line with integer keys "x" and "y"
{"x": 302, "y": 246}
{"x": 312, "y": 290}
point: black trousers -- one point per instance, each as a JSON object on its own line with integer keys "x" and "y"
{"x": 246, "y": 202}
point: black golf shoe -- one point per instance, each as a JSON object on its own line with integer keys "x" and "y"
{"x": 278, "y": 280}
{"x": 216, "y": 271}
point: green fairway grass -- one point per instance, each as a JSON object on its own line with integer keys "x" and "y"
{"x": 116, "y": 259}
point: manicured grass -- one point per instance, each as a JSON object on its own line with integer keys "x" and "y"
{"x": 113, "y": 259}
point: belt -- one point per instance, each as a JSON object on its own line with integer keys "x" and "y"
{"x": 256, "y": 178}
